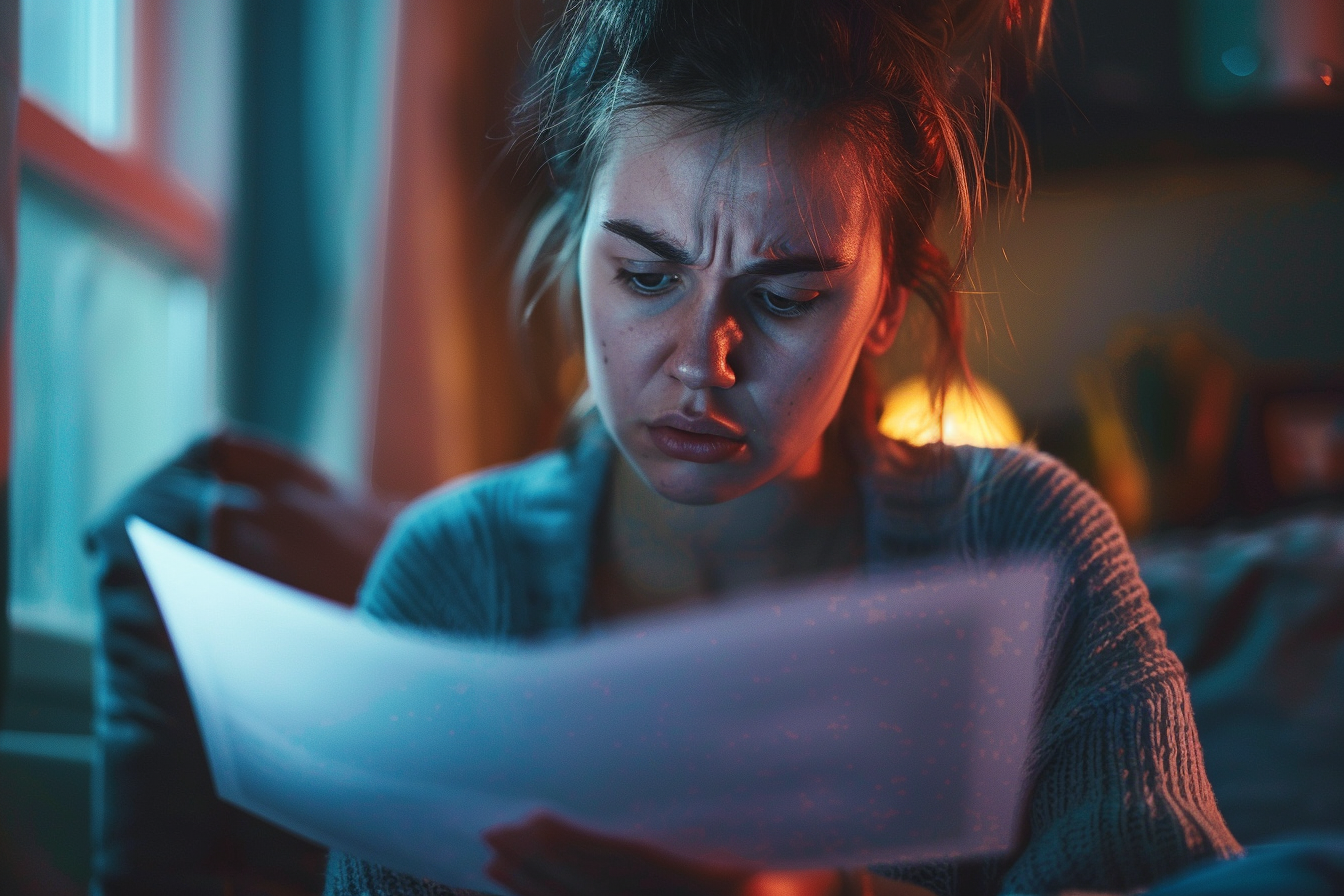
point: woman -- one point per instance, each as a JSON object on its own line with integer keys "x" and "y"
{"x": 743, "y": 197}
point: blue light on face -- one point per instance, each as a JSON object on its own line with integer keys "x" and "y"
{"x": 1241, "y": 61}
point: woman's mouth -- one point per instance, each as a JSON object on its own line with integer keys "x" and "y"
{"x": 696, "y": 447}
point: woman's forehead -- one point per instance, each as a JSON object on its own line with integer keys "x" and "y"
{"x": 694, "y": 182}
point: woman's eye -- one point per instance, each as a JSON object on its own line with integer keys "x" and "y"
{"x": 782, "y": 307}
{"x": 649, "y": 284}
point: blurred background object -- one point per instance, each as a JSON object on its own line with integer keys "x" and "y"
{"x": 974, "y": 414}
{"x": 1161, "y": 406}
{"x": 1256, "y": 613}
{"x": 296, "y": 218}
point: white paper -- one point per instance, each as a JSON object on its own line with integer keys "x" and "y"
{"x": 886, "y": 719}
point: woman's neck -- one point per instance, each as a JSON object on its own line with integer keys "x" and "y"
{"x": 653, "y": 552}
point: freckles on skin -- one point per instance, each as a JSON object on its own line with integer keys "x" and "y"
{"x": 708, "y": 334}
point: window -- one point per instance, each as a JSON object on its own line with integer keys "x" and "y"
{"x": 76, "y": 59}
{"x": 124, "y": 141}
{"x": 118, "y": 242}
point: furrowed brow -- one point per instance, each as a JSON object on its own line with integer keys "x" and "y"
{"x": 658, "y": 243}
{"x": 796, "y": 264}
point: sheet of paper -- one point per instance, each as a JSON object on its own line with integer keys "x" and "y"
{"x": 886, "y": 719}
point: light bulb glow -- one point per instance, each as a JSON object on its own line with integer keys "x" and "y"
{"x": 980, "y": 417}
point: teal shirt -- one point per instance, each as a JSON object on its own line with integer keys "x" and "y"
{"x": 1120, "y": 798}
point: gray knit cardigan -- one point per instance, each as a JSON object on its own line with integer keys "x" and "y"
{"x": 1120, "y": 798}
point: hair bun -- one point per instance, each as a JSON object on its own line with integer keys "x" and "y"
{"x": 966, "y": 29}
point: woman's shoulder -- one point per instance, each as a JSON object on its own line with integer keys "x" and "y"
{"x": 1032, "y": 505}
{"x": 536, "y": 492}
{"x": 986, "y": 499}
{"x": 1033, "y": 495}
{"x": 1019, "y": 506}
{"x": 476, "y": 540}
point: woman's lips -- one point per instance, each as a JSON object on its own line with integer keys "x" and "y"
{"x": 696, "y": 447}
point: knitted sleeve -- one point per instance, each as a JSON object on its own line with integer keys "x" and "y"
{"x": 1120, "y": 796}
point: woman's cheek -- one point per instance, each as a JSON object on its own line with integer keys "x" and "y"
{"x": 617, "y": 354}
{"x": 799, "y": 380}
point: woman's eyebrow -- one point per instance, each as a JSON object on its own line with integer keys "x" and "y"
{"x": 658, "y": 243}
{"x": 796, "y": 264}
{"x": 661, "y": 244}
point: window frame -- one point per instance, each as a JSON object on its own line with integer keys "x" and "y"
{"x": 134, "y": 185}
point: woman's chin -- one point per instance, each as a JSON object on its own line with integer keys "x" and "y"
{"x": 695, "y": 484}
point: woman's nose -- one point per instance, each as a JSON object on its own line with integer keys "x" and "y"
{"x": 703, "y": 356}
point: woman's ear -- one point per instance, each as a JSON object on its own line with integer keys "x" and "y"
{"x": 888, "y": 322}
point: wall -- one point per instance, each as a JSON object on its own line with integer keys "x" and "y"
{"x": 1254, "y": 247}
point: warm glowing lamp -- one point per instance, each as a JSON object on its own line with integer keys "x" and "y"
{"x": 979, "y": 416}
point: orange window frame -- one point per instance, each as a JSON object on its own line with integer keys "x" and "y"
{"x": 134, "y": 186}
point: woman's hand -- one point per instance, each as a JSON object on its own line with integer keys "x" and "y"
{"x": 545, "y": 856}
{"x": 279, "y": 516}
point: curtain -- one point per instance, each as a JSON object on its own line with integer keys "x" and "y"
{"x": 449, "y": 393}
{"x": 304, "y": 249}
{"x": 9, "y": 189}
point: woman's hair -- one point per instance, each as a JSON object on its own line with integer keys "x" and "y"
{"x": 913, "y": 87}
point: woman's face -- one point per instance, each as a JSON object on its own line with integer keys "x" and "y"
{"x": 727, "y": 292}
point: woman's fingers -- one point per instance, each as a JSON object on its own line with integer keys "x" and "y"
{"x": 239, "y": 458}
{"x": 548, "y": 850}
{"x": 545, "y": 838}
{"x": 319, "y": 542}
{"x": 525, "y": 881}
{"x": 547, "y": 856}
{"x": 542, "y": 856}
{"x": 822, "y": 882}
